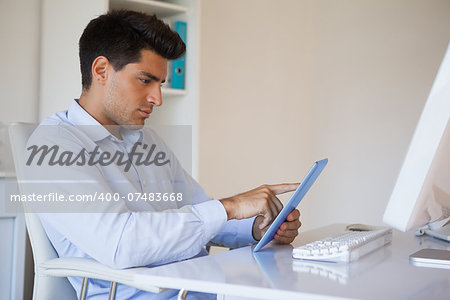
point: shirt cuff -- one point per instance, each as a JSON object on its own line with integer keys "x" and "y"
{"x": 213, "y": 215}
{"x": 246, "y": 230}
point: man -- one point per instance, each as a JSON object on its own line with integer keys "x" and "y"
{"x": 123, "y": 58}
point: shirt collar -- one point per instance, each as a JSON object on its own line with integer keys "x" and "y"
{"x": 93, "y": 129}
{"x": 131, "y": 135}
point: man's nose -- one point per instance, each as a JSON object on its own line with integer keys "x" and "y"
{"x": 155, "y": 96}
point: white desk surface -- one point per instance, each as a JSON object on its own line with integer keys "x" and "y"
{"x": 273, "y": 274}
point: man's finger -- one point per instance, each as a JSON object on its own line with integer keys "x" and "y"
{"x": 294, "y": 215}
{"x": 284, "y": 240}
{"x": 267, "y": 218}
{"x": 288, "y": 233}
{"x": 277, "y": 203}
{"x": 291, "y": 225}
{"x": 283, "y": 187}
{"x": 265, "y": 222}
{"x": 274, "y": 211}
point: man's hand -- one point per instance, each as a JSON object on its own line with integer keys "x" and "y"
{"x": 259, "y": 201}
{"x": 287, "y": 231}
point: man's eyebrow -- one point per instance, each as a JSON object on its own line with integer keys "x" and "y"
{"x": 151, "y": 76}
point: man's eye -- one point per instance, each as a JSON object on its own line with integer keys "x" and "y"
{"x": 146, "y": 81}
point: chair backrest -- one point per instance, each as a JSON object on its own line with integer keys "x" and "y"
{"x": 41, "y": 246}
{"x": 44, "y": 288}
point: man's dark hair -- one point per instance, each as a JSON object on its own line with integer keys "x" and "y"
{"x": 120, "y": 36}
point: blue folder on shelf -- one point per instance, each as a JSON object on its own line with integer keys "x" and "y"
{"x": 178, "y": 67}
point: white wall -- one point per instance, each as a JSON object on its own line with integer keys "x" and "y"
{"x": 19, "y": 60}
{"x": 254, "y": 94}
{"x": 283, "y": 86}
{"x": 63, "y": 23}
{"x": 19, "y": 93}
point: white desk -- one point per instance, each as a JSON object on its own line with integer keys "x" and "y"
{"x": 384, "y": 274}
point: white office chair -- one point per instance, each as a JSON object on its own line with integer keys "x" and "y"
{"x": 51, "y": 272}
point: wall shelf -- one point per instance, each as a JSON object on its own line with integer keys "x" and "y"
{"x": 161, "y": 9}
{"x": 173, "y": 92}
{"x": 7, "y": 174}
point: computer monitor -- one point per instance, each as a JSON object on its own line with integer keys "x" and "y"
{"x": 421, "y": 195}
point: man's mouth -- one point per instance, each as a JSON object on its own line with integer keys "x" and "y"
{"x": 145, "y": 112}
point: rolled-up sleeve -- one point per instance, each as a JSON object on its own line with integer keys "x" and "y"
{"x": 236, "y": 233}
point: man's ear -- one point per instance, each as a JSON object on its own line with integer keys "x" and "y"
{"x": 100, "y": 68}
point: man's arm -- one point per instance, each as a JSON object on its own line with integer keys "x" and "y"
{"x": 110, "y": 232}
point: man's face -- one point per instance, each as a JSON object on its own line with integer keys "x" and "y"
{"x": 132, "y": 92}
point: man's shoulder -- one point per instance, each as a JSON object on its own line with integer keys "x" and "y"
{"x": 58, "y": 118}
{"x": 54, "y": 129}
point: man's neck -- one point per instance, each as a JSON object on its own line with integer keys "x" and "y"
{"x": 89, "y": 102}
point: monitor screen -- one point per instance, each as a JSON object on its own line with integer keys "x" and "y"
{"x": 422, "y": 192}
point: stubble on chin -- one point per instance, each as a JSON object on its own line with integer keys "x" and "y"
{"x": 113, "y": 108}
{"x": 116, "y": 110}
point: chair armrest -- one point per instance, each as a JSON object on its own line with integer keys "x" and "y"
{"x": 84, "y": 267}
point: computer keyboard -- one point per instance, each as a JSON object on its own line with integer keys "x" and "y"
{"x": 346, "y": 247}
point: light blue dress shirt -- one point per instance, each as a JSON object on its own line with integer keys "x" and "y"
{"x": 124, "y": 234}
